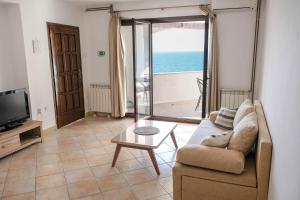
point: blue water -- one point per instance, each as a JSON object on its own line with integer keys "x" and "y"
{"x": 164, "y": 62}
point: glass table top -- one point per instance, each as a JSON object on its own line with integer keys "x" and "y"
{"x": 128, "y": 137}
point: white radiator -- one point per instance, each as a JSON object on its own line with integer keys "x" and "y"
{"x": 232, "y": 99}
{"x": 100, "y": 98}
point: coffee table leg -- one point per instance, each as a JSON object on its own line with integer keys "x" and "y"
{"x": 153, "y": 158}
{"x": 174, "y": 139}
{"x": 117, "y": 151}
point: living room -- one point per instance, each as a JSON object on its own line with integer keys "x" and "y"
{"x": 71, "y": 139}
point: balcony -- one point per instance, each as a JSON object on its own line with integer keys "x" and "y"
{"x": 175, "y": 94}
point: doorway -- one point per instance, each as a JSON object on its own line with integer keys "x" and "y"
{"x": 65, "y": 57}
{"x": 166, "y": 65}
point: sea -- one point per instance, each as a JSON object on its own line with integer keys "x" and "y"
{"x": 166, "y": 62}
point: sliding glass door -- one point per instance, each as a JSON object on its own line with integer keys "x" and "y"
{"x": 166, "y": 66}
{"x": 142, "y": 68}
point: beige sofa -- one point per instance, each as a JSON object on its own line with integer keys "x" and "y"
{"x": 219, "y": 179}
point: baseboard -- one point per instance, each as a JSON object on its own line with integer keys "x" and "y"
{"x": 97, "y": 114}
{"x": 49, "y": 130}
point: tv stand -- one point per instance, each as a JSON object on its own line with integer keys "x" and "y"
{"x": 21, "y": 136}
{"x": 10, "y": 126}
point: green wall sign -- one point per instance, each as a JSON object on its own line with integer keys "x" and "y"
{"x": 101, "y": 53}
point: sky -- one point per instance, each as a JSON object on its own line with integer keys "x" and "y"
{"x": 174, "y": 39}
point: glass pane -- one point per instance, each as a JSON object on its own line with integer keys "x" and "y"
{"x": 128, "y": 54}
{"x": 142, "y": 61}
{"x": 178, "y": 56}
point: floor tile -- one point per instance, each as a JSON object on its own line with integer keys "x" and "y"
{"x": 19, "y": 186}
{"x": 112, "y": 182}
{"x": 56, "y": 193}
{"x": 138, "y": 176}
{"x": 71, "y": 155}
{"x": 110, "y": 148}
{"x": 2, "y": 176}
{"x": 121, "y": 194}
{"x": 147, "y": 162}
{"x": 163, "y": 148}
{"x": 79, "y": 175}
{"x": 128, "y": 165}
{"x": 167, "y": 183}
{"x": 5, "y": 163}
{"x": 44, "y": 150}
{"x": 95, "y": 151}
{"x": 74, "y": 162}
{"x": 138, "y": 153}
{"x": 125, "y": 155}
{"x": 49, "y": 169}
{"x": 164, "y": 197}
{"x": 26, "y": 196}
{"x": 69, "y": 147}
{"x": 1, "y": 189}
{"x": 90, "y": 144}
{"x": 50, "y": 181}
{"x": 92, "y": 197}
{"x": 148, "y": 190}
{"x": 100, "y": 160}
{"x": 168, "y": 156}
{"x": 104, "y": 170}
{"x": 83, "y": 189}
{"x": 69, "y": 165}
{"x": 165, "y": 171}
{"x": 46, "y": 159}
{"x": 17, "y": 163}
{"x": 21, "y": 173}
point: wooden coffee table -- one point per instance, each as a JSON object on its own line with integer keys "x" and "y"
{"x": 130, "y": 139}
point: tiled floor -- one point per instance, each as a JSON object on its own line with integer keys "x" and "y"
{"x": 75, "y": 163}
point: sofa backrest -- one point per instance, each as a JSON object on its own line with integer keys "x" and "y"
{"x": 263, "y": 154}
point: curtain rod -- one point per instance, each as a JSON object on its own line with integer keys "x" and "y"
{"x": 110, "y": 8}
{"x": 142, "y": 9}
{"x": 233, "y": 9}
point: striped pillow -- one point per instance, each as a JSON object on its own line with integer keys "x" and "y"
{"x": 225, "y": 118}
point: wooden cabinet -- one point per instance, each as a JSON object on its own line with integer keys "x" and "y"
{"x": 13, "y": 140}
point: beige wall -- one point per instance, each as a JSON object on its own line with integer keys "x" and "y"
{"x": 13, "y": 73}
{"x": 236, "y": 36}
{"x": 34, "y": 17}
{"x": 278, "y": 87}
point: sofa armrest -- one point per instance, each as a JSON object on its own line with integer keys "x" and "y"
{"x": 212, "y": 158}
{"x": 213, "y": 116}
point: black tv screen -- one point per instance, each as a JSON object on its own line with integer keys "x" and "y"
{"x": 13, "y": 107}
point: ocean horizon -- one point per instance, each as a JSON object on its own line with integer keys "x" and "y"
{"x": 185, "y": 61}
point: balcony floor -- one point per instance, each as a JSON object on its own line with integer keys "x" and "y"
{"x": 181, "y": 109}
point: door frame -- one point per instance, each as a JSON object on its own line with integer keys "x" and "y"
{"x": 53, "y": 69}
{"x": 130, "y": 22}
{"x": 133, "y": 24}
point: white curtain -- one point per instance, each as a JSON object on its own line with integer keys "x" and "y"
{"x": 117, "y": 67}
{"x": 213, "y": 68}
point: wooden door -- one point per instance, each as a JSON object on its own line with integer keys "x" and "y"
{"x": 64, "y": 44}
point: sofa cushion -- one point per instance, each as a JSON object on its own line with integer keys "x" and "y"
{"x": 220, "y": 139}
{"x": 225, "y": 118}
{"x": 205, "y": 128}
{"x": 213, "y": 116}
{"x": 245, "y": 108}
{"x": 212, "y": 158}
{"x": 247, "y": 178}
{"x": 245, "y": 134}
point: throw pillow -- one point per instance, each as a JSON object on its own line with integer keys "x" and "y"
{"x": 225, "y": 118}
{"x": 245, "y": 108}
{"x": 244, "y": 134}
{"x": 217, "y": 140}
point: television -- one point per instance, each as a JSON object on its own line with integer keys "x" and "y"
{"x": 14, "y": 109}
